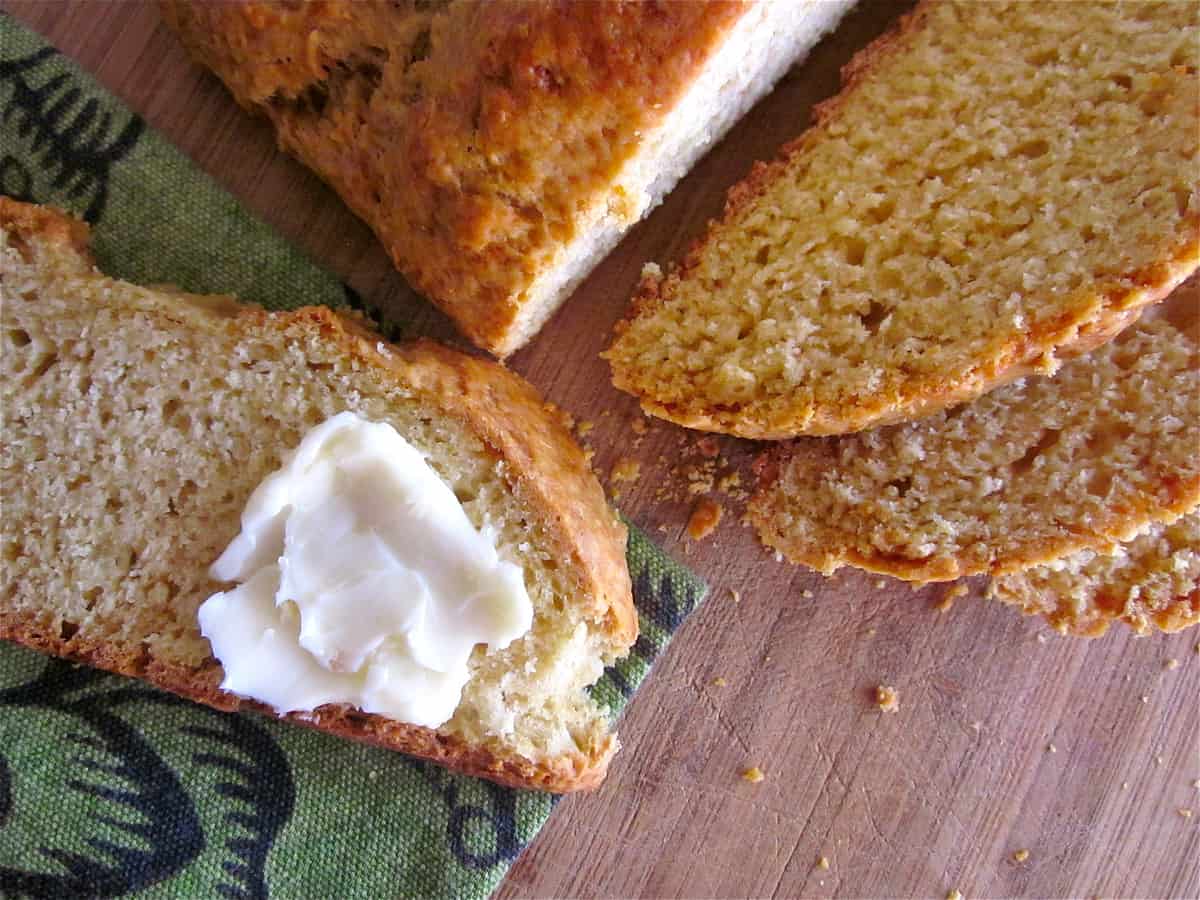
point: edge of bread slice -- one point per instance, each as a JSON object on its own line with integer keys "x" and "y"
{"x": 1151, "y": 582}
{"x": 998, "y": 185}
{"x": 138, "y": 421}
{"x": 1025, "y": 475}
{"x": 500, "y": 149}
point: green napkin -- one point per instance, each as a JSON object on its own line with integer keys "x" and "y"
{"x": 110, "y": 787}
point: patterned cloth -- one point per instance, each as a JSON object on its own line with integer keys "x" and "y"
{"x": 108, "y": 786}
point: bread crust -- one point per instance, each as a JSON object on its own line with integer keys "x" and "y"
{"x": 477, "y": 163}
{"x": 1037, "y": 350}
{"x": 545, "y": 468}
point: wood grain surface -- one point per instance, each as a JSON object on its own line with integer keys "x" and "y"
{"x": 1007, "y": 738}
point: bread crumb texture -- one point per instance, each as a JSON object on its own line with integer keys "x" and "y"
{"x": 998, "y": 181}
{"x": 887, "y": 698}
{"x": 705, "y": 517}
{"x": 137, "y": 423}
{"x": 753, "y": 775}
{"x": 1020, "y": 856}
{"x": 1152, "y": 582}
{"x": 1028, "y": 474}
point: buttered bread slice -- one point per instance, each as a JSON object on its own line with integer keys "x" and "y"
{"x": 998, "y": 184}
{"x": 1028, "y": 474}
{"x": 1151, "y": 583}
{"x": 137, "y": 426}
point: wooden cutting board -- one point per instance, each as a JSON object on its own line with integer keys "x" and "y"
{"x": 1008, "y": 738}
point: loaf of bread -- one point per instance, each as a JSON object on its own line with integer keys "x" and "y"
{"x": 500, "y": 148}
{"x": 1152, "y": 582}
{"x": 137, "y": 423}
{"x": 998, "y": 185}
{"x": 1027, "y": 474}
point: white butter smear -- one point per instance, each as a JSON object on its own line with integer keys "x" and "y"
{"x": 362, "y": 582}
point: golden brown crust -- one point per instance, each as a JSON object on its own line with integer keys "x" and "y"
{"x": 474, "y": 145}
{"x": 1023, "y": 354}
{"x": 560, "y": 775}
{"x": 544, "y": 468}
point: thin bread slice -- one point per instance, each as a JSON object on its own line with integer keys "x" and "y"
{"x": 137, "y": 422}
{"x": 500, "y": 148}
{"x": 1025, "y": 475}
{"x": 998, "y": 185}
{"x": 1152, "y": 582}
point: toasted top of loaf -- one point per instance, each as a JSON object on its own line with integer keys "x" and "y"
{"x": 137, "y": 423}
{"x": 997, "y": 184}
{"x": 1152, "y": 582}
{"x": 477, "y": 139}
{"x": 1025, "y": 475}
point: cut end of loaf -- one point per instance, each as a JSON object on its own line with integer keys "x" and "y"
{"x": 129, "y": 456}
{"x": 999, "y": 184}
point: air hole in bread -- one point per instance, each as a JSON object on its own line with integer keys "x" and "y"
{"x": 67, "y": 630}
{"x": 18, "y": 337}
{"x": 855, "y": 251}
{"x": 1043, "y": 444}
{"x": 874, "y": 316}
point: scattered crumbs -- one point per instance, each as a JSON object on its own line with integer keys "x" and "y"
{"x": 1124, "y": 785}
{"x": 704, "y": 519}
{"x": 708, "y": 447}
{"x": 807, "y": 594}
{"x": 663, "y": 529}
{"x": 588, "y": 455}
{"x": 955, "y": 894}
{"x": 604, "y": 414}
{"x": 976, "y": 726}
{"x": 735, "y": 595}
{"x": 1041, "y": 638}
{"x": 584, "y": 427}
{"x": 626, "y": 470}
{"x": 1051, "y": 748}
{"x": 870, "y": 632}
{"x": 1020, "y": 856}
{"x": 1128, "y": 677}
{"x": 888, "y": 698}
{"x": 1145, "y": 699}
{"x": 1158, "y": 759}
{"x": 1185, "y": 812}
{"x": 954, "y": 592}
{"x": 719, "y": 681}
{"x": 1171, "y": 664}
{"x": 753, "y": 775}
{"x": 823, "y": 863}
{"x": 1196, "y": 784}
{"x": 880, "y": 584}
{"x": 639, "y": 426}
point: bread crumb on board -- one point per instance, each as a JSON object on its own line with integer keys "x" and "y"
{"x": 1171, "y": 664}
{"x": 954, "y": 894}
{"x": 1020, "y": 856}
{"x": 1050, "y": 748}
{"x": 753, "y": 775}
{"x": 952, "y": 593}
{"x": 735, "y": 595}
{"x": 823, "y": 863}
{"x": 584, "y": 427}
{"x": 719, "y": 681}
{"x": 1185, "y": 812}
{"x": 639, "y": 426}
{"x": 887, "y": 698}
{"x": 626, "y": 469}
{"x": 704, "y": 519}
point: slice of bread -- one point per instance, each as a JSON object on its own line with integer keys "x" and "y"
{"x": 1025, "y": 475}
{"x": 1152, "y": 582}
{"x": 999, "y": 184}
{"x": 137, "y": 422}
{"x": 500, "y": 148}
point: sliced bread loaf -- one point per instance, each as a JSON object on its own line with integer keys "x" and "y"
{"x": 1025, "y": 475}
{"x": 998, "y": 184}
{"x": 500, "y": 148}
{"x": 137, "y": 423}
{"x": 1152, "y": 582}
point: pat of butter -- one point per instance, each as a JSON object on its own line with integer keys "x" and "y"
{"x": 362, "y": 582}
